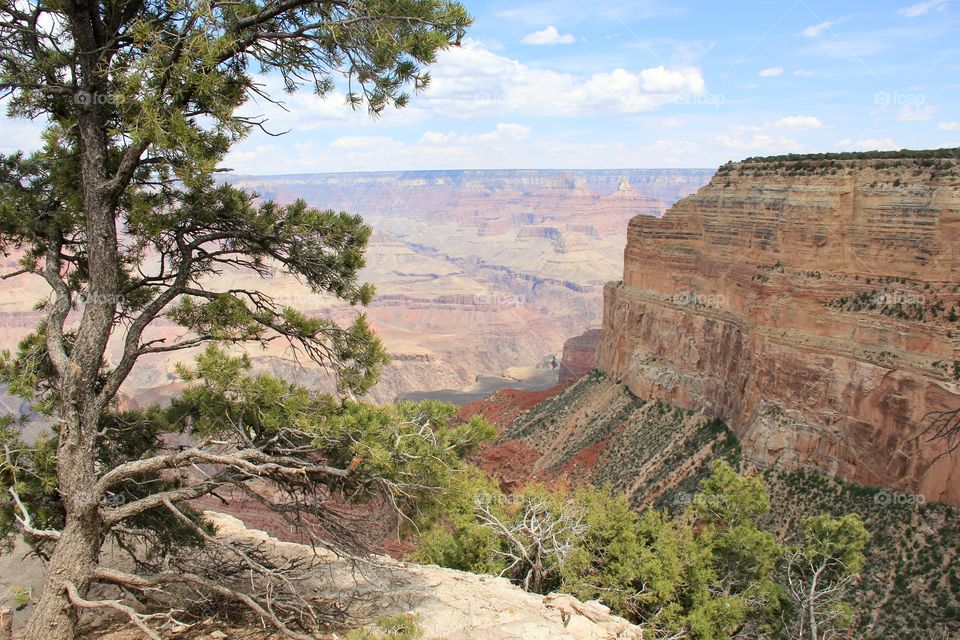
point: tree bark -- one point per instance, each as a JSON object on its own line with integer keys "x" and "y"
{"x": 75, "y": 554}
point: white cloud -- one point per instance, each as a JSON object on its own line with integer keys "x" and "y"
{"x": 799, "y": 122}
{"x": 759, "y": 142}
{"x": 816, "y": 30}
{"x": 923, "y": 8}
{"x": 949, "y": 126}
{"x": 917, "y": 114}
{"x": 550, "y": 35}
{"x": 472, "y": 80}
{"x": 304, "y": 111}
{"x": 505, "y": 146}
{"x": 772, "y": 72}
{"x": 869, "y": 144}
{"x": 354, "y": 143}
{"x": 803, "y": 73}
{"x": 503, "y": 133}
{"x": 19, "y": 134}
{"x": 666, "y": 123}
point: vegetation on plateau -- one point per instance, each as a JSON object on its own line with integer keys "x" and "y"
{"x": 902, "y": 154}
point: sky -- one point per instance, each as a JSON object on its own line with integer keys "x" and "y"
{"x": 607, "y": 84}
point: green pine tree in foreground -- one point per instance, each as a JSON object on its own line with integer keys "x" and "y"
{"x": 120, "y": 216}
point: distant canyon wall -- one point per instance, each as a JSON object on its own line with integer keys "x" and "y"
{"x": 480, "y": 271}
{"x": 812, "y": 305}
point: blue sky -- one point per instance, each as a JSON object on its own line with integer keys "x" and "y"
{"x": 648, "y": 83}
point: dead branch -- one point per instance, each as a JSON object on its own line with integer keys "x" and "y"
{"x": 27, "y": 522}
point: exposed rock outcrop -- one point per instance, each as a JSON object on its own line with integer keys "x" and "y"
{"x": 579, "y": 355}
{"x": 810, "y": 304}
{"x": 448, "y": 604}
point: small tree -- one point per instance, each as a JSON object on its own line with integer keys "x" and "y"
{"x": 537, "y": 531}
{"x": 820, "y": 570}
{"x": 120, "y": 216}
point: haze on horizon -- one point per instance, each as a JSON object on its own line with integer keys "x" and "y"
{"x": 562, "y": 84}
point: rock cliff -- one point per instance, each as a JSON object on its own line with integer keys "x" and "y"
{"x": 579, "y": 355}
{"x": 810, "y": 303}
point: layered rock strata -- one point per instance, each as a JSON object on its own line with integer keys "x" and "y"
{"x": 579, "y": 355}
{"x": 812, "y": 304}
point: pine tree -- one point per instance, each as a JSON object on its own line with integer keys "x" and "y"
{"x": 120, "y": 215}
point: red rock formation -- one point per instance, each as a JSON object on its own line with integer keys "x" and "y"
{"x": 807, "y": 304}
{"x": 579, "y": 355}
{"x": 503, "y": 407}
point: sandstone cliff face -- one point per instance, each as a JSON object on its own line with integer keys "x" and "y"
{"x": 811, "y": 306}
{"x": 579, "y": 355}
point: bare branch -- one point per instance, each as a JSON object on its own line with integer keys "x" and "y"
{"x": 138, "y": 619}
{"x": 27, "y": 523}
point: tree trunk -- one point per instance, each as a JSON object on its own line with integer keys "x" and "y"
{"x": 75, "y": 554}
{"x": 812, "y": 607}
{"x": 73, "y": 560}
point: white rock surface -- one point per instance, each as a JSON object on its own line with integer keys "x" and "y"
{"x": 454, "y": 605}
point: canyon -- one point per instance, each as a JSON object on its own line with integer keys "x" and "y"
{"x": 481, "y": 275}
{"x": 797, "y": 317}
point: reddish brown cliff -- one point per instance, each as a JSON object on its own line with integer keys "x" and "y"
{"x": 579, "y": 355}
{"x": 812, "y": 305}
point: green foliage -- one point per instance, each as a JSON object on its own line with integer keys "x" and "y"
{"x": 121, "y": 216}
{"x": 29, "y": 373}
{"x": 818, "y": 572}
{"x": 30, "y": 470}
{"x": 612, "y": 556}
{"x": 837, "y": 543}
{"x": 858, "y": 155}
{"x": 706, "y": 572}
{"x": 526, "y": 537}
{"x": 414, "y": 451}
{"x": 21, "y": 595}
{"x": 398, "y": 627}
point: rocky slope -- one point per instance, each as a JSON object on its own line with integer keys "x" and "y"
{"x": 597, "y": 431}
{"x": 812, "y": 305}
